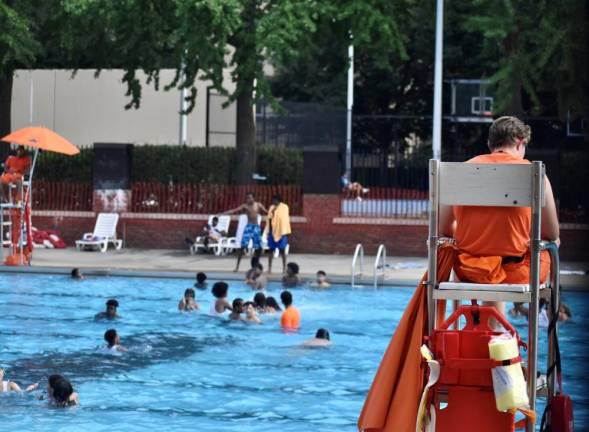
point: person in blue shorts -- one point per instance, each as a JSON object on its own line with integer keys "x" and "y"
{"x": 252, "y": 230}
{"x": 278, "y": 230}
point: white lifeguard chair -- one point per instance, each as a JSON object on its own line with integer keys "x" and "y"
{"x": 506, "y": 186}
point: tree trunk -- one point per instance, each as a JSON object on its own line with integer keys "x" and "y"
{"x": 5, "y": 106}
{"x": 511, "y": 45}
{"x": 246, "y": 138}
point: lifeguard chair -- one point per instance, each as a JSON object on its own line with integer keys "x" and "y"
{"x": 493, "y": 185}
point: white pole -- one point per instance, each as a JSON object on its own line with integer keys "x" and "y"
{"x": 437, "y": 128}
{"x": 350, "y": 105}
{"x": 183, "y": 106}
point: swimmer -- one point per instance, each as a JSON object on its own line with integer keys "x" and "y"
{"x": 321, "y": 281}
{"x": 235, "y": 314}
{"x": 11, "y": 386}
{"x": 220, "y": 305}
{"x": 257, "y": 280}
{"x": 253, "y": 266}
{"x": 518, "y": 310}
{"x": 291, "y": 278}
{"x": 564, "y": 312}
{"x": 188, "y": 302}
{"x": 201, "y": 279}
{"x": 260, "y": 302}
{"x": 60, "y": 392}
{"x": 114, "y": 341}
{"x": 272, "y": 305}
{"x": 111, "y": 311}
{"x": 77, "y": 274}
{"x": 291, "y": 317}
{"x": 321, "y": 339}
{"x": 250, "y": 313}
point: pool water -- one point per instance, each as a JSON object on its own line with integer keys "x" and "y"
{"x": 187, "y": 371}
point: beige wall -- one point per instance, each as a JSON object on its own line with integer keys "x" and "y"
{"x": 85, "y": 109}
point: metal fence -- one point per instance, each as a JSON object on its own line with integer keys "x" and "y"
{"x": 62, "y": 196}
{"x": 208, "y": 199}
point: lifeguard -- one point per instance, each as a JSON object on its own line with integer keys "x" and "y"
{"x": 493, "y": 241}
{"x": 15, "y": 168}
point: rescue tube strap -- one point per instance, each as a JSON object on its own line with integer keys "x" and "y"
{"x": 461, "y": 363}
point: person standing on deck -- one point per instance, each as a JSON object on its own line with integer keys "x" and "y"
{"x": 252, "y": 231}
{"x": 278, "y": 227}
{"x": 493, "y": 241}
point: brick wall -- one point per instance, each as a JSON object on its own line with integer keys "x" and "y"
{"x": 320, "y": 231}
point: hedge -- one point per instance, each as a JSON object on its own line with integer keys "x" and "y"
{"x": 181, "y": 164}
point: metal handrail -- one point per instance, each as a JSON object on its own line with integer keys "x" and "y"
{"x": 381, "y": 256}
{"x": 358, "y": 252}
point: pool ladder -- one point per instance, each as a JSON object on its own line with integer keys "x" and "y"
{"x": 379, "y": 264}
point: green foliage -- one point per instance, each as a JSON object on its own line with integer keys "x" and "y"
{"x": 57, "y": 167}
{"x": 18, "y": 46}
{"x": 181, "y": 164}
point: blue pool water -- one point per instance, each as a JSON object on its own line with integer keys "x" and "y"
{"x": 190, "y": 371}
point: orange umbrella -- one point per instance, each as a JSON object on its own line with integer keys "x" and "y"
{"x": 42, "y": 138}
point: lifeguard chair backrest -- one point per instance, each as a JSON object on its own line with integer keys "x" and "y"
{"x": 504, "y": 185}
{"x": 106, "y": 225}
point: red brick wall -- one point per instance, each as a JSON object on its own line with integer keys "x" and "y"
{"x": 319, "y": 234}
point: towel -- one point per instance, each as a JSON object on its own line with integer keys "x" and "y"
{"x": 278, "y": 217}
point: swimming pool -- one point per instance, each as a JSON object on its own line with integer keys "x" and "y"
{"x": 187, "y": 371}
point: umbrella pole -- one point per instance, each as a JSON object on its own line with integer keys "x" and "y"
{"x": 22, "y": 210}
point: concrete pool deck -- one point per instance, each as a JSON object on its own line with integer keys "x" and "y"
{"x": 400, "y": 271}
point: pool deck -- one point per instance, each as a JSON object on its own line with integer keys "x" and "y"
{"x": 400, "y": 271}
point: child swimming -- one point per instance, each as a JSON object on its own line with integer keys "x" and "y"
{"x": 201, "y": 281}
{"x": 272, "y": 305}
{"x": 321, "y": 339}
{"x": 255, "y": 277}
{"x": 188, "y": 302}
{"x": 260, "y": 302}
{"x": 321, "y": 281}
{"x": 220, "y": 305}
{"x": 235, "y": 314}
{"x": 250, "y": 313}
{"x": 60, "y": 392}
{"x": 11, "y": 386}
{"x": 291, "y": 317}
{"x": 291, "y": 278}
{"x": 111, "y": 311}
{"x": 113, "y": 341}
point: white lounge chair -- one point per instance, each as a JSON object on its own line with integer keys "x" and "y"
{"x": 231, "y": 244}
{"x": 222, "y": 226}
{"x": 105, "y": 232}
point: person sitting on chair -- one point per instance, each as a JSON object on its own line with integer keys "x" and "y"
{"x": 15, "y": 168}
{"x": 493, "y": 241}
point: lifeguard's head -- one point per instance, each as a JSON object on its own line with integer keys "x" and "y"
{"x": 21, "y": 151}
{"x": 509, "y": 133}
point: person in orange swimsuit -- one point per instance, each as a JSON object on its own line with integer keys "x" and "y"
{"x": 15, "y": 168}
{"x": 493, "y": 241}
{"x": 291, "y": 317}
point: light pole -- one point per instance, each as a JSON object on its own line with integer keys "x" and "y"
{"x": 350, "y": 105}
{"x": 437, "y": 126}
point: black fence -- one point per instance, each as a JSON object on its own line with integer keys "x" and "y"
{"x": 392, "y": 151}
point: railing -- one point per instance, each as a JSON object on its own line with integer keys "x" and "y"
{"x": 62, "y": 196}
{"x": 208, "y": 199}
{"x": 359, "y": 252}
{"x": 380, "y": 263}
{"x": 386, "y": 202}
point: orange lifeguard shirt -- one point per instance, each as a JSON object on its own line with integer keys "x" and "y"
{"x": 493, "y": 231}
{"x": 291, "y": 318}
{"x": 19, "y": 165}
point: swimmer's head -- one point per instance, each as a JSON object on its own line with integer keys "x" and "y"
{"x": 112, "y": 338}
{"x": 201, "y": 277}
{"x": 321, "y": 276}
{"x": 62, "y": 390}
{"x": 322, "y": 334}
{"x": 260, "y": 300}
{"x": 77, "y": 274}
{"x": 111, "y": 308}
{"x": 564, "y": 312}
{"x": 292, "y": 269}
{"x": 220, "y": 289}
{"x": 259, "y": 269}
{"x": 249, "y": 308}
{"x": 189, "y": 293}
{"x": 271, "y": 302}
{"x": 286, "y": 298}
{"x": 249, "y": 198}
{"x": 237, "y": 305}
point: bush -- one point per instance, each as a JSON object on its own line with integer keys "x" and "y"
{"x": 181, "y": 164}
